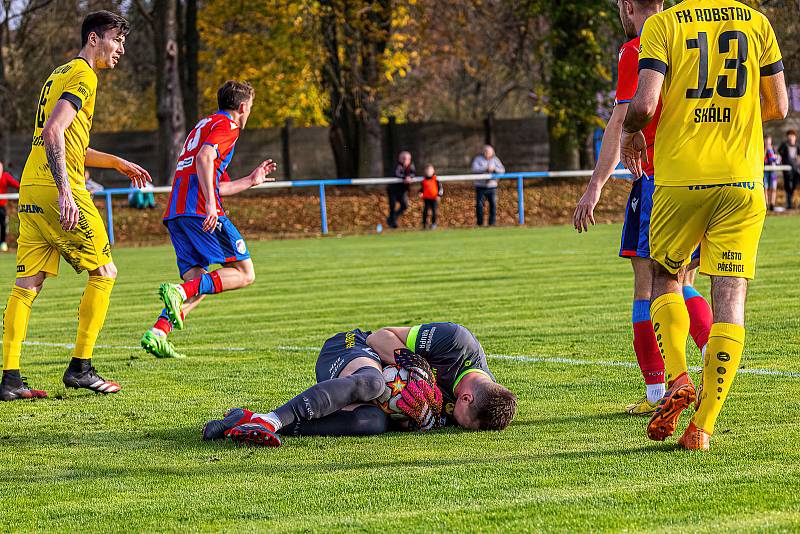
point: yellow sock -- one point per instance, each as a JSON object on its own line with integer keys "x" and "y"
{"x": 723, "y": 354}
{"x": 92, "y": 314}
{"x": 15, "y": 325}
{"x": 671, "y": 325}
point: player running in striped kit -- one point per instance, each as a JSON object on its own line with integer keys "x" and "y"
{"x": 201, "y": 233}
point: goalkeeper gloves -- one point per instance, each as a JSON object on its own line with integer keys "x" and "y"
{"x": 422, "y": 403}
{"x": 417, "y": 366}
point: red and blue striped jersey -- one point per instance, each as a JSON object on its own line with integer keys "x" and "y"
{"x": 187, "y": 199}
{"x": 627, "y": 82}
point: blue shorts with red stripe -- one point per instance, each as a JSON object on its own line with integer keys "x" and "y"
{"x": 636, "y": 228}
{"x": 196, "y": 248}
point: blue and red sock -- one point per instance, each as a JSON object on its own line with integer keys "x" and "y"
{"x": 205, "y": 284}
{"x": 700, "y": 316}
{"x": 163, "y": 323}
{"x": 647, "y": 352}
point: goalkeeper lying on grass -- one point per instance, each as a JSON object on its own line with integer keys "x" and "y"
{"x": 449, "y": 383}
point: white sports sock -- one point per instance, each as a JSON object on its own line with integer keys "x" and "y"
{"x": 655, "y": 392}
{"x": 270, "y": 418}
{"x": 158, "y": 332}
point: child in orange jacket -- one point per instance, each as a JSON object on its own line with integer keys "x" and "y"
{"x": 431, "y": 194}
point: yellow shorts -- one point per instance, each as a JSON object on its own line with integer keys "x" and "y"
{"x": 726, "y": 220}
{"x": 42, "y": 240}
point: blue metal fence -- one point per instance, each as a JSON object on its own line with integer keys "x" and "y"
{"x": 520, "y": 177}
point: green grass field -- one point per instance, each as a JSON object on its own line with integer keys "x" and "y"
{"x": 570, "y": 461}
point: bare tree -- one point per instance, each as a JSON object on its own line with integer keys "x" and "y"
{"x": 9, "y": 11}
{"x": 355, "y": 36}
{"x": 163, "y": 18}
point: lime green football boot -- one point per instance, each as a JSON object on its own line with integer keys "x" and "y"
{"x": 159, "y": 346}
{"x": 172, "y": 296}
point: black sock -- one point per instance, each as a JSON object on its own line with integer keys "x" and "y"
{"x": 12, "y": 377}
{"x": 322, "y": 399}
{"x": 363, "y": 421}
{"x": 79, "y": 365}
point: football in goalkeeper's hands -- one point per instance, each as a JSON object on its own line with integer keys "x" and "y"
{"x": 396, "y": 379}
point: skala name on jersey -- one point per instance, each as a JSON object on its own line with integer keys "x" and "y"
{"x": 713, "y": 14}
{"x": 712, "y": 114}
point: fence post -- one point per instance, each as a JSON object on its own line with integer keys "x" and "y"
{"x": 521, "y": 199}
{"x": 110, "y": 219}
{"x": 323, "y": 211}
{"x": 286, "y": 143}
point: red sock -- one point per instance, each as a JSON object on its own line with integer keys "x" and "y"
{"x": 192, "y": 287}
{"x": 163, "y": 324}
{"x": 700, "y": 316}
{"x": 647, "y": 353}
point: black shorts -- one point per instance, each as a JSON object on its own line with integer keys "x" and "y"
{"x": 340, "y": 350}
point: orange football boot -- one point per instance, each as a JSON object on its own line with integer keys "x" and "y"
{"x": 694, "y": 439}
{"x": 680, "y": 395}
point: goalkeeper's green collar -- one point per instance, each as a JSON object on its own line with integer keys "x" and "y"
{"x": 411, "y": 340}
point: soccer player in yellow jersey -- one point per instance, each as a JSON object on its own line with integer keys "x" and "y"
{"x": 57, "y": 216}
{"x": 718, "y": 69}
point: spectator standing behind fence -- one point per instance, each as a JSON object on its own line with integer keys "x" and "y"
{"x": 6, "y": 181}
{"x": 486, "y": 163}
{"x": 770, "y": 177}
{"x": 790, "y": 156}
{"x": 431, "y": 193}
{"x": 398, "y": 193}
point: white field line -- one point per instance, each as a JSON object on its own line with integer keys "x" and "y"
{"x": 574, "y": 361}
{"x": 527, "y": 359}
{"x": 123, "y": 347}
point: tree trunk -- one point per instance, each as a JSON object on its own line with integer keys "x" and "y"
{"x": 191, "y": 45}
{"x": 374, "y": 36}
{"x": 340, "y": 111}
{"x": 4, "y": 95}
{"x": 563, "y": 146}
{"x": 169, "y": 107}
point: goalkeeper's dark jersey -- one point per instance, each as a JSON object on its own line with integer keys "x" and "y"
{"x": 452, "y": 351}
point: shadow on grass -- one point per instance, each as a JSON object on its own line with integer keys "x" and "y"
{"x": 579, "y": 418}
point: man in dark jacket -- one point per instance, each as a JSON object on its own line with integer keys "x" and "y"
{"x": 398, "y": 193}
{"x": 790, "y": 155}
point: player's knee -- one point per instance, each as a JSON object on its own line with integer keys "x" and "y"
{"x": 369, "y": 383}
{"x": 248, "y": 277}
{"x": 369, "y": 420}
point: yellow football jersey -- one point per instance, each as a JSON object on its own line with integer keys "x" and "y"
{"x": 713, "y": 54}
{"x": 76, "y": 83}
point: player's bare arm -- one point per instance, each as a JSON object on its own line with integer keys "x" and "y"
{"x": 53, "y": 138}
{"x": 257, "y": 177}
{"x": 205, "y": 176}
{"x": 633, "y": 146}
{"x": 606, "y": 163}
{"x": 138, "y": 175}
{"x": 774, "y": 98}
{"x": 386, "y": 340}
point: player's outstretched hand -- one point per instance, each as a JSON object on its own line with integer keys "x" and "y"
{"x": 259, "y": 174}
{"x": 210, "y": 222}
{"x": 415, "y": 405}
{"x": 138, "y": 175}
{"x": 69, "y": 213}
{"x": 584, "y": 211}
{"x": 632, "y": 151}
{"x": 415, "y": 364}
